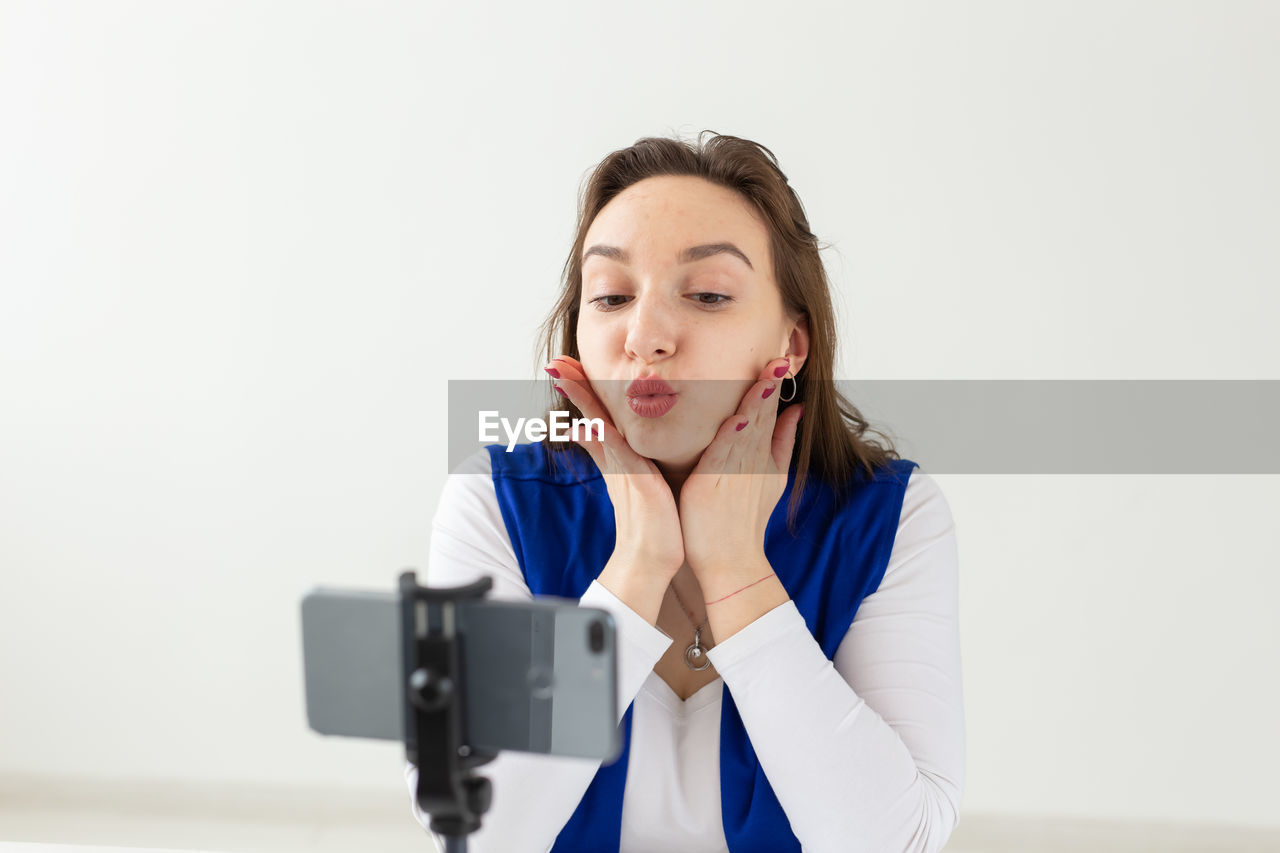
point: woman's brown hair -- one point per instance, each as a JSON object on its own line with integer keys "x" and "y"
{"x": 830, "y": 442}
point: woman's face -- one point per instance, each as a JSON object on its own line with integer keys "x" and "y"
{"x": 666, "y": 294}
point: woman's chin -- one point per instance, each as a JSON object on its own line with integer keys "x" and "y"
{"x": 667, "y": 447}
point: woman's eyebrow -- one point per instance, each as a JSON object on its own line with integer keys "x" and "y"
{"x": 689, "y": 255}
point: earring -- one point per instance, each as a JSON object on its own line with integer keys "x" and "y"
{"x": 795, "y": 386}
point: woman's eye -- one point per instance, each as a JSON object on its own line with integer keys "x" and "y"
{"x": 602, "y": 304}
{"x": 720, "y": 298}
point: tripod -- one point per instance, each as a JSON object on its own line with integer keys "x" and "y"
{"x": 434, "y": 710}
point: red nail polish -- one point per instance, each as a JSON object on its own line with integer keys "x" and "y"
{"x": 781, "y": 371}
{"x": 740, "y": 426}
{"x": 766, "y": 393}
{"x": 561, "y": 390}
{"x": 555, "y": 374}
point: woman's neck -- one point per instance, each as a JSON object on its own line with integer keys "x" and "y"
{"x": 675, "y": 475}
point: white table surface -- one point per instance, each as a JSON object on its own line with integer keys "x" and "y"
{"x": 32, "y": 847}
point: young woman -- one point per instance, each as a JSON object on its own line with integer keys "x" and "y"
{"x": 785, "y": 590}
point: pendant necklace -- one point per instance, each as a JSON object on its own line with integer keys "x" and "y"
{"x": 695, "y": 657}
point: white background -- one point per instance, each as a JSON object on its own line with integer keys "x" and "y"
{"x": 243, "y": 246}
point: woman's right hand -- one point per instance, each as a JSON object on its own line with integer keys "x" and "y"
{"x": 649, "y": 548}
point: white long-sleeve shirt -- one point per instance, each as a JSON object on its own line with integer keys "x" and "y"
{"x": 865, "y": 753}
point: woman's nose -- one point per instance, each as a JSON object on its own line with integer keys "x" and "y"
{"x": 652, "y": 330}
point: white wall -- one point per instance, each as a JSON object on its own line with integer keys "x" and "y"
{"x": 244, "y": 245}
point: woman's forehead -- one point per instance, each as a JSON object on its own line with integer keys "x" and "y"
{"x": 676, "y": 219}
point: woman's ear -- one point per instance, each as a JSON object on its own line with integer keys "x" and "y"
{"x": 798, "y": 344}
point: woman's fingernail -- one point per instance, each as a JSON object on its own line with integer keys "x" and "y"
{"x": 555, "y": 374}
{"x": 766, "y": 393}
{"x": 561, "y": 390}
{"x": 740, "y": 426}
{"x": 782, "y": 371}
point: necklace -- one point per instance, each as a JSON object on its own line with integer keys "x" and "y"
{"x": 695, "y": 657}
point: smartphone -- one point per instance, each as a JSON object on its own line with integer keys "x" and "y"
{"x": 537, "y": 676}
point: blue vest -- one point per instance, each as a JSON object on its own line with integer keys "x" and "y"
{"x": 562, "y": 530}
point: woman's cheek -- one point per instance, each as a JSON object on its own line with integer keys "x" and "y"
{"x": 730, "y": 398}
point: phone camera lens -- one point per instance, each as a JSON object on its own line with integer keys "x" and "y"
{"x": 595, "y": 636}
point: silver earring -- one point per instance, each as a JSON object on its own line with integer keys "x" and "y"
{"x": 794, "y": 387}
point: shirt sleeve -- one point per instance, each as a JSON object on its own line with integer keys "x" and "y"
{"x": 866, "y": 752}
{"x": 533, "y": 795}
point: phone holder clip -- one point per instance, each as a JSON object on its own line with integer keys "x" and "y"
{"x": 435, "y": 707}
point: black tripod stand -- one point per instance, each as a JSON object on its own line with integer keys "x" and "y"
{"x": 435, "y": 710}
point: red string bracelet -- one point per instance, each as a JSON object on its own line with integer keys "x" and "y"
{"x": 735, "y": 592}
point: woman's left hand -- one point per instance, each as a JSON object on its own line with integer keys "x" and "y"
{"x": 727, "y": 499}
